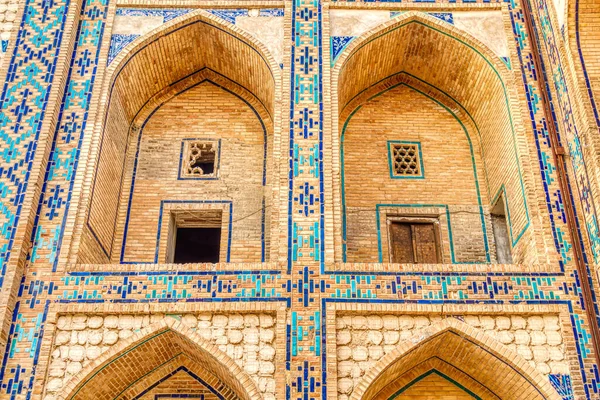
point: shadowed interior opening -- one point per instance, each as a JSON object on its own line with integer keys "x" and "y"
{"x": 197, "y": 245}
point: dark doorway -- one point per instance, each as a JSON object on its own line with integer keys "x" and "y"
{"x": 197, "y": 245}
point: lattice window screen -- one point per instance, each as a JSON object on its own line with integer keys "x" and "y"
{"x": 405, "y": 159}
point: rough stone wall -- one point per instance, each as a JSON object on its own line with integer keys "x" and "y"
{"x": 80, "y": 339}
{"x": 363, "y": 340}
{"x": 402, "y": 114}
{"x": 203, "y": 112}
{"x": 8, "y": 14}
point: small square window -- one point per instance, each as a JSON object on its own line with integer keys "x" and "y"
{"x": 405, "y": 159}
{"x": 199, "y": 159}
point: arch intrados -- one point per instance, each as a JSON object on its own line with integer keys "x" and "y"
{"x": 263, "y": 84}
{"x": 164, "y": 372}
{"x": 414, "y": 17}
{"x": 206, "y": 75}
{"x": 136, "y": 47}
{"x": 183, "y": 21}
{"x": 418, "y": 85}
{"x": 421, "y": 339}
{"x": 435, "y": 363}
{"x": 229, "y": 372}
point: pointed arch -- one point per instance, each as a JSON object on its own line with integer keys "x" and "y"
{"x": 166, "y": 57}
{"x": 477, "y": 84}
{"x": 139, "y": 362}
{"x": 461, "y": 350}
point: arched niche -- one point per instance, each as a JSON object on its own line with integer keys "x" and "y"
{"x": 463, "y": 90}
{"x": 195, "y": 79}
{"x": 140, "y": 365}
{"x": 455, "y": 352}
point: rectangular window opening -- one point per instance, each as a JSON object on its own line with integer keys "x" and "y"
{"x": 405, "y": 159}
{"x": 414, "y": 241}
{"x": 501, "y": 235}
{"x": 195, "y": 237}
{"x": 201, "y": 158}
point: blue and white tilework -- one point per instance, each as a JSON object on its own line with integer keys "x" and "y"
{"x": 562, "y": 384}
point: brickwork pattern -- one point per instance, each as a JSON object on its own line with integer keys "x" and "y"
{"x": 201, "y": 112}
{"x": 491, "y": 139}
{"x": 450, "y": 162}
{"x": 431, "y": 387}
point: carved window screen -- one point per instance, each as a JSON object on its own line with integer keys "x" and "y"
{"x": 405, "y": 160}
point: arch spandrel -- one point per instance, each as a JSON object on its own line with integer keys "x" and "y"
{"x": 132, "y": 363}
{"x": 196, "y": 40}
{"x": 497, "y": 371}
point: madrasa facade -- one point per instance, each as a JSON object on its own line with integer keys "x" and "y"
{"x": 300, "y": 199}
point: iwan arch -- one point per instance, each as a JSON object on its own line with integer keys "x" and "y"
{"x": 299, "y": 200}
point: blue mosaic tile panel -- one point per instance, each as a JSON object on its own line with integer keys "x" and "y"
{"x": 43, "y": 21}
{"x": 22, "y": 109}
{"x": 554, "y": 196}
{"x": 562, "y": 384}
{"x": 338, "y": 44}
{"x": 118, "y": 43}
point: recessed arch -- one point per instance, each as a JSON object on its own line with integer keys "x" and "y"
{"x": 167, "y": 57}
{"x": 465, "y": 125}
{"x": 463, "y": 350}
{"x": 475, "y": 82}
{"x": 142, "y": 361}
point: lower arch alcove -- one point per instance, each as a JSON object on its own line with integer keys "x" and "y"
{"x": 467, "y": 359}
{"x": 163, "y": 360}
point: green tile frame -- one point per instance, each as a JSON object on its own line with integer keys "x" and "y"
{"x": 475, "y": 175}
{"x": 390, "y": 143}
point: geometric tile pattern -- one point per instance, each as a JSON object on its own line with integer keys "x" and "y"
{"x": 22, "y": 107}
{"x": 302, "y": 287}
{"x": 562, "y": 384}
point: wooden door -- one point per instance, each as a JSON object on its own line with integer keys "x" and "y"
{"x": 401, "y": 243}
{"x": 413, "y": 243}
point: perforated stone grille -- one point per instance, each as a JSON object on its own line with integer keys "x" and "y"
{"x": 200, "y": 158}
{"x": 405, "y": 160}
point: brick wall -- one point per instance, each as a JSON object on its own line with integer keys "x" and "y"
{"x": 203, "y": 112}
{"x": 490, "y": 114}
{"x": 434, "y": 387}
{"x": 134, "y": 89}
{"x": 589, "y": 34}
